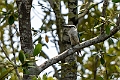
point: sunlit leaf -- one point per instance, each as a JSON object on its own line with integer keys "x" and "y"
{"x": 13, "y": 77}
{"x": 22, "y": 57}
{"x": 16, "y": 15}
{"x": 6, "y": 13}
{"x": 118, "y": 44}
{"x": 45, "y": 77}
{"x": 5, "y": 73}
{"x": 102, "y": 18}
{"x": 111, "y": 55}
{"x": 112, "y": 23}
{"x": 37, "y": 49}
{"x": 39, "y": 78}
{"x": 3, "y": 19}
{"x": 99, "y": 25}
{"x": 118, "y": 68}
{"x": 50, "y": 78}
{"x": 34, "y": 78}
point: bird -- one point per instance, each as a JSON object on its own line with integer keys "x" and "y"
{"x": 74, "y": 37}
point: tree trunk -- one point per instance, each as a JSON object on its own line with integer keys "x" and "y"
{"x": 69, "y": 68}
{"x": 24, "y": 8}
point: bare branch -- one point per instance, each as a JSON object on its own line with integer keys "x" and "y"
{"x": 14, "y": 58}
{"x": 54, "y": 41}
{"x": 5, "y": 53}
{"x": 82, "y": 45}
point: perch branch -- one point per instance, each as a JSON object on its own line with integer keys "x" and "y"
{"x": 79, "y": 46}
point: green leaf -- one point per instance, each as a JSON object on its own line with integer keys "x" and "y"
{"x": 50, "y": 78}
{"x": 71, "y": 15}
{"x": 107, "y": 30}
{"x": 37, "y": 49}
{"x": 11, "y": 20}
{"x": 34, "y": 78}
{"x": 115, "y": 1}
{"x": 5, "y": 73}
{"x": 100, "y": 78}
{"x": 45, "y": 77}
{"x": 111, "y": 55}
{"x": 6, "y": 13}
{"x": 110, "y": 41}
{"x": 25, "y": 71}
{"x": 102, "y": 18}
{"x": 39, "y": 78}
{"x": 118, "y": 68}
{"x": 22, "y": 57}
{"x": 102, "y": 60}
{"x": 112, "y": 23}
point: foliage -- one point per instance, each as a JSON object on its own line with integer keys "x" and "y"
{"x": 44, "y": 77}
{"x": 100, "y": 61}
{"x": 116, "y": 1}
{"x": 37, "y": 49}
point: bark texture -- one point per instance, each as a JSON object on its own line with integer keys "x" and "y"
{"x": 70, "y": 70}
{"x": 24, "y": 8}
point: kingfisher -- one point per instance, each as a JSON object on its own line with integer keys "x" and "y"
{"x": 74, "y": 37}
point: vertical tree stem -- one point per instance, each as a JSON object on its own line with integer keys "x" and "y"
{"x": 105, "y": 4}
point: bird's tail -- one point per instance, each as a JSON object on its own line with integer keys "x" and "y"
{"x": 79, "y": 52}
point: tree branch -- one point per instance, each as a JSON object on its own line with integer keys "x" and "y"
{"x": 82, "y": 45}
{"x": 13, "y": 51}
{"x": 86, "y": 10}
{"x": 5, "y": 53}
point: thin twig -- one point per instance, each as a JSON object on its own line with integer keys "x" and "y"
{"x": 54, "y": 41}
{"x": 86, "y": 10}
{"x": 95, "y": 66}
{"x": 106, "y": 70}
{"x": 5, "y": 53}
{"x": 14, "y": 58}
